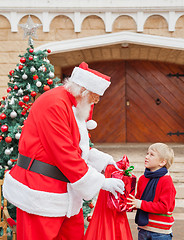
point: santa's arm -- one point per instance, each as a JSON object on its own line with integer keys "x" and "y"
{"x": 99, "y": 160}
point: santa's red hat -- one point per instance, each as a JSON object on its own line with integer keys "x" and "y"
{"x": 92, "y": 80}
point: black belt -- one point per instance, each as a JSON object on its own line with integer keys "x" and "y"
{"x": 41, "y": 168}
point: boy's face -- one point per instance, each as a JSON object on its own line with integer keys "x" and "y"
{"x": 153, "y": 161}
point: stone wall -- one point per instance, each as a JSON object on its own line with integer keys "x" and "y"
{"x": 61, "y": 28}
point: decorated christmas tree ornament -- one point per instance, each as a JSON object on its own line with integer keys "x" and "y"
{"x": 9, "y": 162}
{"x": 31, "y": 50}
{"x": 44, "y": 69}
{"x": 20, "y": 67}
{"x": 20, "y": 92}
{"x": 51, "y": 74}
{"x": 1, "y": 138}
{"x": 30, "y": 58}
{"x": 16, "y": 87}
{"x": 26, "y": 98}
{"x": 7, "y": 151}
{"x": 9, "y": 90}
{"x": 2, "y": 116}
{"x": 32, "y": 69}
{"x": 89, "y": 218}
{"x": 46, "y": 88}
{"x": 12, "y": 101}
{"x": 17, "y": 136}
{"x": 8, "y": 139}
{"x": 47, "y": 61}
{"x": 33, "y": 94}
{"x": 24, "y": 76}
{"x": 50, "y": 81}
{"x": 28, "y": 86}
{"x": 91, "y": 205}
{"x": 48, "y": 50}
{"x": 13, "y": 114}
{"x": 38, "y": 84}
{"x": 4, "y": 128}
{"x": 35, "y": 77}
{"x": 22, "y": 59}
{"x": 30, "y": 29}
{"x": 11, "y": 72}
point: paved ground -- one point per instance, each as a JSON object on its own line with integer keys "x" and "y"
{"x": 137, "y": 152}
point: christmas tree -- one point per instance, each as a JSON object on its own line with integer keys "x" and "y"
{"x": 32, "y": 76}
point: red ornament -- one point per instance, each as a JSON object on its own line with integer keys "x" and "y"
{"x": 4, "y": 128}
{"x": 2, "y": 116}
{"x": 35, "y": 77}
{"x": 31, "y": 50}
{"x": 48, "y": 50}
{"x": 50, "y": 81}
{"x": 46, "y": 88}
{"x": 16, "y": 87}
{"x": 30, "y": 58}
{"x": 1, "y": 138}
{"x": 20, "y": 67}
{"x": 21, "y": 103}
{"x": 8, "y": 139}
{"x": 33, "y": 94}
{"x": 11, "y": 72}
{"x": 89, "y": 218}
{"x": 23, "y": 60}
{"x": 91, "y": 205}
{"x": 0, "y": 103}
{"x": 9, "y": 90}
{"x": 4, "y": 97}
{"x": 26, "y": 98}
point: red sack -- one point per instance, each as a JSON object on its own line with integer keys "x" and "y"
{"x": 120, "y": 204}
{"x": 106, "y": 223}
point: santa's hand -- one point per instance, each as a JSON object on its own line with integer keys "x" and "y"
{"x": 114, "y": 185}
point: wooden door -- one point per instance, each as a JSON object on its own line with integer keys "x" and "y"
{"x": 156, "y": 102}
{"x": 142, "y": 104}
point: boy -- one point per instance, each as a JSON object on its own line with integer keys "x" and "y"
{"x": 155, "y": 198}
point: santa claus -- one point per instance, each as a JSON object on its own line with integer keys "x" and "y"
{"x": 56, "y": 169}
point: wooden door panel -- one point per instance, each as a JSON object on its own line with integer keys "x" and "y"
{"x": 110, "y": 111}
{"x": 147, "y": 81}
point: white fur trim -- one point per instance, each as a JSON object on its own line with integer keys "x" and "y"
{"x": 89, "y": 185}
{"x": 98, "y": 159}
{"x": 91, "y": 124}
{"x": 90, "y": 81}
{"x": 33, "y": 201}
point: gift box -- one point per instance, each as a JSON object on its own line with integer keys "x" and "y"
{"x": 120, "y": 204}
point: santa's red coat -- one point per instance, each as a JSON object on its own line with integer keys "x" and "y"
{"x": 52, "y": 135}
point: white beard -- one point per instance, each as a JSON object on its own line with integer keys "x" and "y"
{"x": 83, "y": 109}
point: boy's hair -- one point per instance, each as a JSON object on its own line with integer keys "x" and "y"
{"x": 165, "y": 153}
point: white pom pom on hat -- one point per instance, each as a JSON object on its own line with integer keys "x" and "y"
{"x": 91, "y": 124}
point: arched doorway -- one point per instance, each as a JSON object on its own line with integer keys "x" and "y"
{"x": 143, "y": 104}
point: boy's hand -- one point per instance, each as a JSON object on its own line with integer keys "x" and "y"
{"x": 136, "y": 203}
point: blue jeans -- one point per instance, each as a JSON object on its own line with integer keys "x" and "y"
{"x": 147, "y": 235}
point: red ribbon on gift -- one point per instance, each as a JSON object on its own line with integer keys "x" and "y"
{"x": 120, "y": 204}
